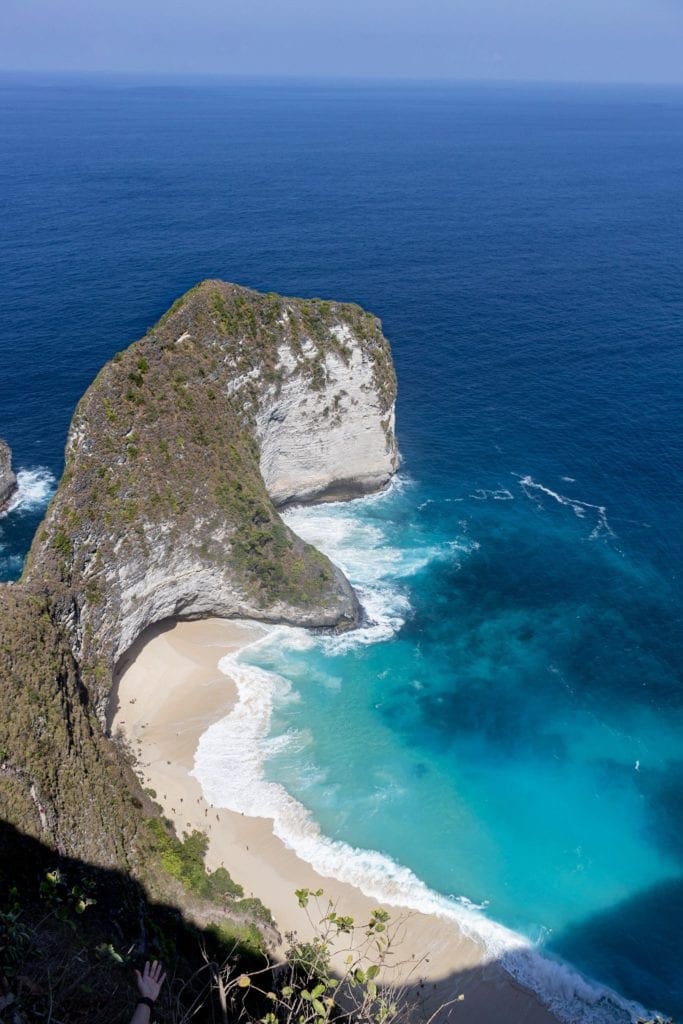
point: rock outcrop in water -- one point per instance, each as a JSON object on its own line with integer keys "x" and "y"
{"x": 176, "y": 458}
{"x": 8, "y": 480}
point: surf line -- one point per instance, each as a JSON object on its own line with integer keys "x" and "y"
{"x": 602, "y": 527}
{"x": 229, "y": 765}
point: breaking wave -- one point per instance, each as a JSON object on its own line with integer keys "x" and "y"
{"x": 348, "y": 539}
{"x": 35, "y": 487}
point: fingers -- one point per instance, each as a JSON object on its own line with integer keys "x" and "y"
{"x": 153, "y": 972}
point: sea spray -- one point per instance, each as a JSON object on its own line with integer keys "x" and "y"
{"x": 34, "y": 489}
{"x": 377, "y": 567}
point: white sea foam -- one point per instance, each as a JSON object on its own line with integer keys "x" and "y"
{"x": 12, "y": 562}
{"x": 499, "y": 494}
{"x": 602, "y": 527}
{"x": 372, "y": 563}
{"x": 35, "y": 487}
{"x": 440, "y": 501}
{"x": 10, "y": 565}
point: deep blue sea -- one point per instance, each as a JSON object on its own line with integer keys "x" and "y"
{"x": 508, "y": 724}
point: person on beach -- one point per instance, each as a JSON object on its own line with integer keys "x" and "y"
{"x": 149, "y": 985}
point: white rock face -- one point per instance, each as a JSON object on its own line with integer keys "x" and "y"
{"x": 173, "y": 584}
{"x": 331, "y": 442}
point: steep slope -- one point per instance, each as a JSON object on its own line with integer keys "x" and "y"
{"x": 174, "y": 456}
{"x": 163, "y": 509}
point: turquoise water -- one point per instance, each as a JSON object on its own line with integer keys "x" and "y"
{"x": 469, "y": 733}
{"x": 507, "y": 725}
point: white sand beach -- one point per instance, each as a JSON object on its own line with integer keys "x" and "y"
{"x": 170, "y": 691}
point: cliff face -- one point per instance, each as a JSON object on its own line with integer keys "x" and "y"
{"x": 8, "y": 480}
{"x": 61, "y": 780}
{"x": 179, "y": 446}
{"x": 335, "y": 440}
{"x": 175, "y": 459}
{"x": 176, "y": 451}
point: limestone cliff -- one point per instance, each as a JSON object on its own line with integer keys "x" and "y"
{"x": 8, "y": 480}
{"x": 176, "y": 456}
{"x": 336, "y": 439}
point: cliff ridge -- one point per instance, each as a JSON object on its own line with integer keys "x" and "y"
{"x": 177, "y": 457}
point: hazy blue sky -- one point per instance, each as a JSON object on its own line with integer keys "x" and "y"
{"x": 613, "y": 40}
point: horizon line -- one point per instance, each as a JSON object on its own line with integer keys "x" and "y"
{"x": 336, "y": 78}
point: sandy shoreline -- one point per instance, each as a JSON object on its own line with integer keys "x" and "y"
{"x": 170, "y": 691}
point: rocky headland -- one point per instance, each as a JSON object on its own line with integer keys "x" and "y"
{"x": 8, "y": 480}
{"x": 177, "y": 458}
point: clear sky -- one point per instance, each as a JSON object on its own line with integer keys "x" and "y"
{"x": 580, "y": 40}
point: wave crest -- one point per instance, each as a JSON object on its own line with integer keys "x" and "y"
{"x": 602, "y": 527}
{"x": 35, "y": 487}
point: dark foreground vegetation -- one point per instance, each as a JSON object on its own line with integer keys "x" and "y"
{"x": 72, "y": 933}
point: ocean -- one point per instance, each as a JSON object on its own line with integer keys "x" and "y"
{"x": 502, "y": 738}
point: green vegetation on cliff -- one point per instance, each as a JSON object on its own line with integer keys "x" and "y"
{"x": 159, "y": 434}
{"x": 161, "y": 511}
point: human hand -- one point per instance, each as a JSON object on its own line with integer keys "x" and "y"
{"x": 151, "y": 980}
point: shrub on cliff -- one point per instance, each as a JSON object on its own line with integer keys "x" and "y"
{"x": 343, "y": 972}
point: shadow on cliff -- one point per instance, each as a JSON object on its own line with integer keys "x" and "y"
{"x": 128, "y": 658}
{"x": 68, "y": 960}
{"x": 72, "y": 932}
